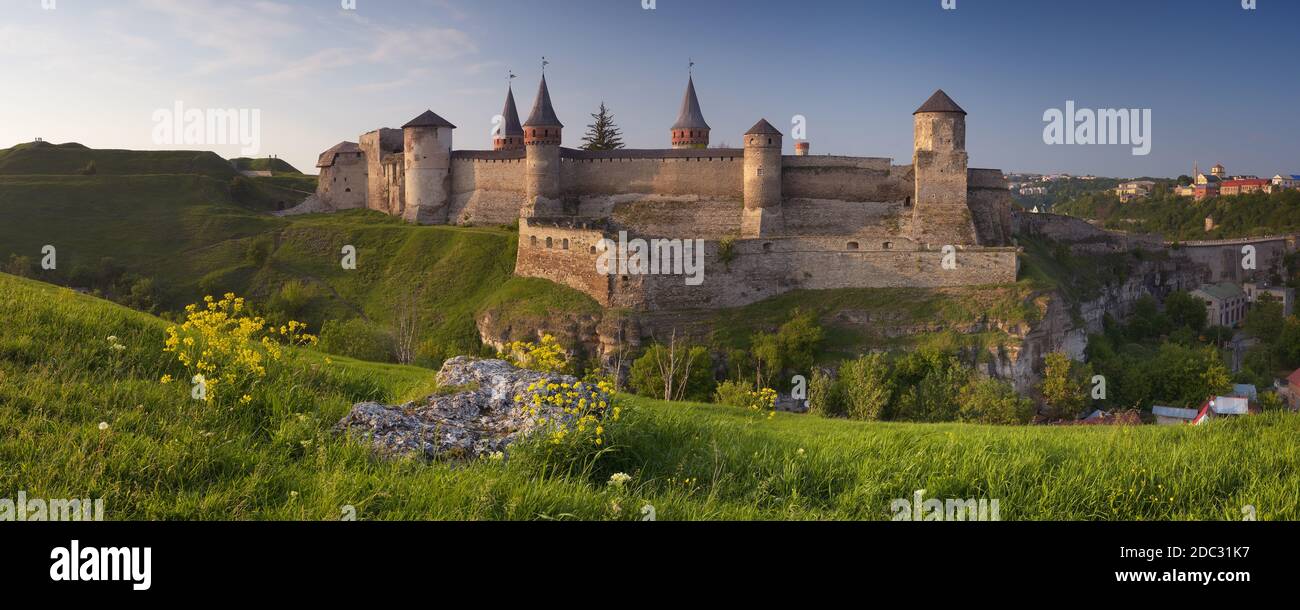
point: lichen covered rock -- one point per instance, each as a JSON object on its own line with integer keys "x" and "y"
{"x": 491, "y": 407}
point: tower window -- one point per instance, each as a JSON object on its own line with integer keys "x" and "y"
{"x": 548, "y": 243}
{"x": 533, "y": 241}
{"x": 564, "y": 244}
{"x": 853, "y": 245}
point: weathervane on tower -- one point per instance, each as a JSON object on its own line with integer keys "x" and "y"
{"x": 545, "y": 63}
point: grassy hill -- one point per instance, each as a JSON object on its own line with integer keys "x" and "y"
{"x": 265, "y": 164}
{"x": 190, "y": 235}
{"x": 43, "y": 158}
{"x": 165, "y": 456}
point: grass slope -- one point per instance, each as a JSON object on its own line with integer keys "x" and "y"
{"x": 167, "y": 457}
{"x": 72, "y": 159}
{"x": 191, "y": 236}
{"x": 264, "y": 164}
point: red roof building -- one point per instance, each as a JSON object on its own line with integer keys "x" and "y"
{"x": 1243, "y": 186}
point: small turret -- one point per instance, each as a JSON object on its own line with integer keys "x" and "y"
{"x": 427, "y": 145}
{"x": 763, "y": 197}
{"x": 690, "y": 130}
{"x": 510, "y": 136}
{"x": 542, "y": 136}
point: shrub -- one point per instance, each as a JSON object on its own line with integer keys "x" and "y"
{"x": 867, "y": 386}
{"x": 143, "y": 295}
{"x": 20, "y": 266}
{"x": 227, "y": 351}
{"x": 292, "y": 300}
{"x": 926, "y": 386}
{"x": 792, "y": 348}
{"x": 356, "y": 338}
{"x": 990, "y": 401}
{"x": 259, "y": 251}
{"x": 680, "y": 372}
{"x": 826, "y": 396}
{"x": 733, "y": 393}
{"x": 1062, "y": 387}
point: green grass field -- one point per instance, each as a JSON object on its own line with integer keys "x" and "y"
{"x": 187, "y": 233}
{"x": 165, "y": 456}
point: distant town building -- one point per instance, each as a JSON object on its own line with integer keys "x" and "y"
{"x": 1243, "y": 186}
{"x": 1286, "y": 182}
{"x": 1137, "y": 189}
{"x": 1225, "y": 303}
{"x": 1222, "y": 406}
{"x": 1218, "y": 171}
{"x": 1285, "y": 296}
{"x": 1171, "y": 416}
{"x": 1206, "y": 187}
{"x": 1289, "y": 390}
{"x": 1246, "y": 390}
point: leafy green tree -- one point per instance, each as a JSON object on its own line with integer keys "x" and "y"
{"x": 674, "y": 372}
{"x": 1264, "y": 321}
{"x": 990, "y": 401}
{"x": 1062, "y": 387}
{"x": 791, "y": 349}
{"x": 603, "y": 134}
{"x": 1186, "y": 376}
{"x": 868, "y": 387}
{"x": 1185, "y": 310}
{"x": 826, "y": 396}
{"x": 926, "y": 385}
{"x": 1147, "y": 321}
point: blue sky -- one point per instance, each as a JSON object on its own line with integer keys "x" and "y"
{"x": 1222, "y": 82}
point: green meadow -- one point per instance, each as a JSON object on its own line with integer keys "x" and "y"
{"x": 80, "y": 419}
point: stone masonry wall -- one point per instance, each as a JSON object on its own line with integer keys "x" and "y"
{"x": 699, "y": 175}
{"x": 758, "y": 268}
{"x": 342, "y": 186}
{"x": 486, "y": 191}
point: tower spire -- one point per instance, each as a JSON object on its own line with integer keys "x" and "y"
{"x": 690, "y": 130}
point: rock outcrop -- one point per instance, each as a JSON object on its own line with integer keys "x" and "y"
{"x": 484, "y": 416}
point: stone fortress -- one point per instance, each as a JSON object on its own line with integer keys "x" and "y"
{"x": 770, "y": 222}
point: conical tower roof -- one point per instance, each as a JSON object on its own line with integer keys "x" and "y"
{"x": 429, "y": 119}
{"x": 762, "y": 128}
{"x": 690, "y": 116}
{"x": 511, "y": 128}
{"x": 543, "y": 114}
{"x": 940, "y": 102}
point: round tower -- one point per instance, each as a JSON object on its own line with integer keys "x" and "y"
{"x": 427, "y": 145}
{"x": 763, "y": 198}
{"x": 802, "y": 148}
{"x": 690, "y": 130}
{"x": 940, "y": 213}
{"x": 542, "y": 136}
{"x": 511, "y": 134}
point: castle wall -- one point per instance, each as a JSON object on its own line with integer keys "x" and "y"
{"x": 757, "y": 268}
{"x": 564, "y": 255}
{"x": 707, "y": 173}
{"x": 487, "y": 188}
{"x": 342, "y": 185}
{"x": 1080, "y": 234}
{"x": 990, "y": 204}
{"x": 376, "y": 145}
{"x": 1224, "y": 258}
{"x": 394, "y": 178}
{"x": 842, "y": 178}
